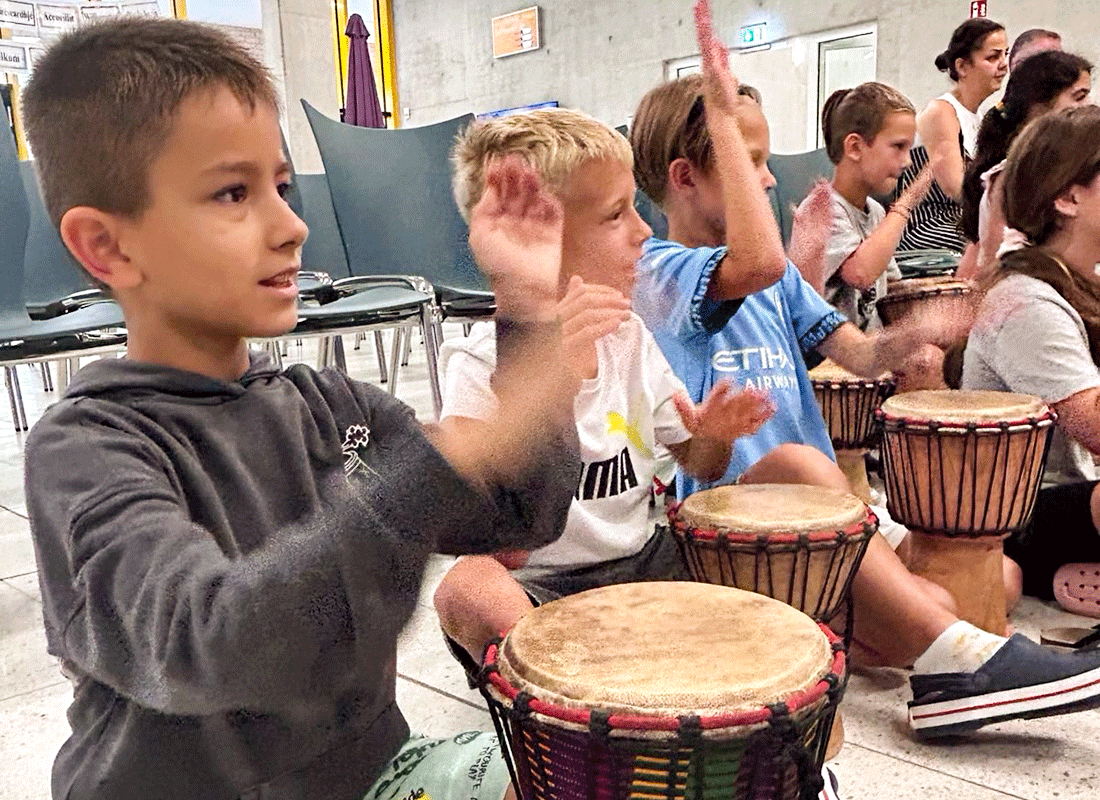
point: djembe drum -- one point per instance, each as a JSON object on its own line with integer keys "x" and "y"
{"x": 664, "y": 690}
{"x": 848, "y": 403}
{"x": 801, "y": 545}
{"x": 963, "y": 470}
{"x": 906, "y": 295}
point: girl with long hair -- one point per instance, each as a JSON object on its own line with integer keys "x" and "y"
{"x": 1038, "y": 332}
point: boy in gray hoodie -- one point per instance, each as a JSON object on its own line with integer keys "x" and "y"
{"x": 227, "y": 552}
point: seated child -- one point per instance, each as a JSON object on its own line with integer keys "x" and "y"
{"x": 1038, "y": 332}
{"x": 227, "y": 552}
{"x": 629, "y": 405}
{"x": 868, "y": 132}
{"x": 688, "y": 168}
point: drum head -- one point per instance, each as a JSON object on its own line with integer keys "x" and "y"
{"x": 828, "y": 371}
{"x": 772, "y": 508}
{"x": 963, "y": 406}
{"x": 665, "y": 649}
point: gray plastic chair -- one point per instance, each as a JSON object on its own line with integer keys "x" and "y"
{"x": 795, "y": 175}
{"x": 391, "y": 190}
{"x": 23, "y": 340}
{"x": 53, "y": 282}
{"x": 357, "y": 309}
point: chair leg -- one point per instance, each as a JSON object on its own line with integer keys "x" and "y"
{"x": 338, "y": 354}
{"x": 323, "y": 346}
{"x": 11, "y": 398}
{"x": 466, "y": 327}
{"x": 408, "y": 337}
{"x": 427, "y": 328}
{"x": 359, "y": 337}
{"x": 380, "y": 348}
{"x": 21, "y": 422}
{"x": 47, "y": 377}
{"x": 395, "y": 358}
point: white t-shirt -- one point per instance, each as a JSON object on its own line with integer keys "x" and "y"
{"x": 623, "y": 416}
{"x": 1028, "y": 339}
{"x": 850, "y": 228}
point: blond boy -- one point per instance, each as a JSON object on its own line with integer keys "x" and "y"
{"x": 629, "y": 406}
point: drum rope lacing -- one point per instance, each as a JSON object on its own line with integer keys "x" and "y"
{"x": 688, "y": 730}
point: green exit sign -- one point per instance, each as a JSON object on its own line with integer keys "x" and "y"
{"x": 752, "y": 35}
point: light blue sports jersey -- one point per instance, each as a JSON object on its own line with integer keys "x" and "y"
{"x": 759, "y": 344}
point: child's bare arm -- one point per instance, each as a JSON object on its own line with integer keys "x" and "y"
{"x": 724, "y": 416}
{"x": 863, "y": 267}
{"x": 754, "y": 257}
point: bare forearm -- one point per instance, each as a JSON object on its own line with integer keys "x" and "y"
{"x": 704, "y": 459}
{"x": 872, "y": 258}
{"x": 755, "y": 257}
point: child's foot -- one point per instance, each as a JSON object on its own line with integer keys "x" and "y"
{"x": 1021, "y": 681}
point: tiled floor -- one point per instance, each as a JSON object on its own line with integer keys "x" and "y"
{"x": 1038, "y": 760}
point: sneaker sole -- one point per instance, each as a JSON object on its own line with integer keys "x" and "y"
{"x": 1075, "y": 693}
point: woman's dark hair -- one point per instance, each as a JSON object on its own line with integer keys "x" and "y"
{"x": 1053, "y": 154}
{"x": 967, "y": 38}
{"x": 1037, "y": 81}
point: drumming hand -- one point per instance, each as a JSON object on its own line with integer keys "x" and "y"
{"x": 588, "y": 312}
{"x": 726, "y": 414}
{"x": 922, "y": 370}
{"x": 917, "y": 190}
{"x": 516, "y": 235}
{"x": 810, "y": 233}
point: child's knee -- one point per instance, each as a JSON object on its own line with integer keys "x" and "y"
{"x": 466, "y": 579}
{"x": 797, "y": 463}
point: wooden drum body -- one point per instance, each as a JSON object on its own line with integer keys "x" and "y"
{"x": 664, "y": 690}
{"x": 848, "y": 404}
{"x": 904, "y": 296}
{"x": 801, "y": 545}
{"x": 963, "y": 471}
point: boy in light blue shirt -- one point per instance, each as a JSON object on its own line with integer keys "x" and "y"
{"x": 723, "y": 301}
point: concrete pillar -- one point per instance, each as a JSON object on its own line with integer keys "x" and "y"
{"x": 298, "y": 43}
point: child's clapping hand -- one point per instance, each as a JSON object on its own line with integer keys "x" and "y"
{"x": 726, "y": 414}
{"x": 516, "y": 235}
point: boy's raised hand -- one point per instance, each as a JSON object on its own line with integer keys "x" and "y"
{"x": 588, "y": 312}
{"x": 516, "y": 237}
{"x": 810, "y": 233}
{"x": 726, "y": 414}
{"x": 719, "y": 83}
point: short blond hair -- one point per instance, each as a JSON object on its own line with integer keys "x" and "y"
{"x": 554, "y": 141}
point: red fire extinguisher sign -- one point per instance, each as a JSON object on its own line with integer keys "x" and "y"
{"x": 977, "y": 8}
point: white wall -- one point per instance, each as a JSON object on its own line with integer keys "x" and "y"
{"x": 603, "y": 55}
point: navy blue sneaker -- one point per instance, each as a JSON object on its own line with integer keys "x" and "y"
{"x": 1021, "y": 681}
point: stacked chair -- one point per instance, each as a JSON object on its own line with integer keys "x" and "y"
{"x": 391, "y": 193}
{"x": 69, "y": 326}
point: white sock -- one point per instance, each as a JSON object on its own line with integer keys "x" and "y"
{"x": 961, "y": 648}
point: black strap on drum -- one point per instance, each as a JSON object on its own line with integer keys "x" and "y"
{"x": 794, "y": 749}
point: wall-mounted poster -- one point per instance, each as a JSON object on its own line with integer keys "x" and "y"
{"x": 516, "y": 33}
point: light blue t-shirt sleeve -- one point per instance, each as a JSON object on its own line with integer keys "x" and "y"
{"x": 673, "y": 289}
{"x": 812, "y": 317}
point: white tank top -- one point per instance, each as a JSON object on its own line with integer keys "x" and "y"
{"x": 969, "y": 122}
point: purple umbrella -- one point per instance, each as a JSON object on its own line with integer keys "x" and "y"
{"x": 363, "y": 108}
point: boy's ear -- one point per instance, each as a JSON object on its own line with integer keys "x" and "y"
{"x": 681, "y": 174}
{"x": 853, "y": 146}
{"x": 92, "y": 236}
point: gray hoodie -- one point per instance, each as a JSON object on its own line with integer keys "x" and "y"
{"x": 226, "y": 567}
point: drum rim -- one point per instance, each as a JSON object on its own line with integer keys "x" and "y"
{"x": 864, "y": 527}
{"x": 858, "y": 383}
{"x": 802, "y": 700}
{"x": 900, "y": 422}
{"x": 933, "y": 291}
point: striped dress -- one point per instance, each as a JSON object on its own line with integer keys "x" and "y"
{"x": 934, "y": 223}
